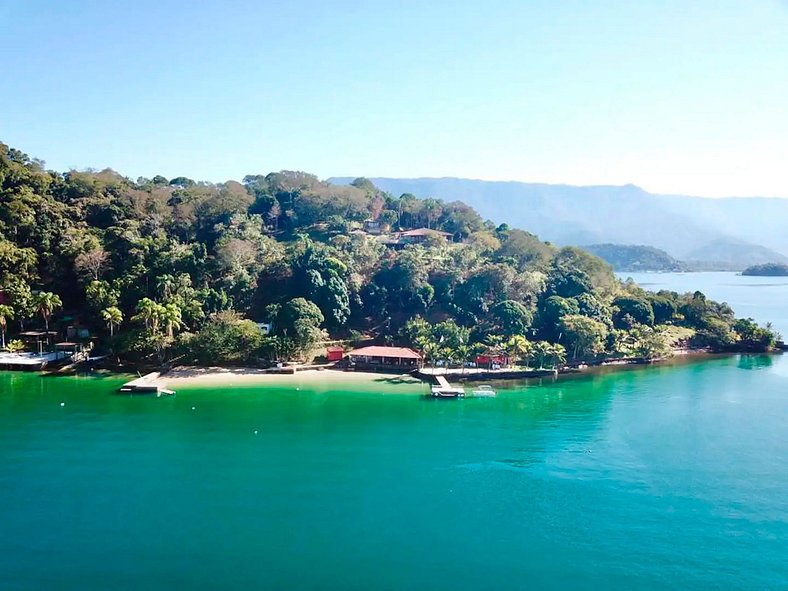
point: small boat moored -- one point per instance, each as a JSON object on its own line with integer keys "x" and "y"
{"x": 484, "y": 391}
{"x": 451, "y": 392}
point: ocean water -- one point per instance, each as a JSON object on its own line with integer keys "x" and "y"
{"x": 668, "y": 477}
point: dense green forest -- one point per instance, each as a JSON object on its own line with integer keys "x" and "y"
{"x": 162, "y": 269}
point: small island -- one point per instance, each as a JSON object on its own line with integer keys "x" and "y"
{"x": 767, "y": 270}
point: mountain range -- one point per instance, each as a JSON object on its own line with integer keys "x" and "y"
{"x": 732, "y": 232}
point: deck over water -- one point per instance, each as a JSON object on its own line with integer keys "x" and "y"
{"x": 148, "y": 383}
{"x": 29, "y": 360}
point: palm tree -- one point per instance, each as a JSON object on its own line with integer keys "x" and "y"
{"x": 542, "y": 351}
{"x": 517, "y": 347}
{"x": 557, "y": 354}
{"x": 47, "y": 302}
{"x": 165, "y": 285}
{"x": 6, "y": 313}
{"x": 113, "y": 317}
{"x": 148, "y": 312}
{"x": 171, "y": 317}
{"x": 431, "y": 351}
{"x": 464, "y": 353}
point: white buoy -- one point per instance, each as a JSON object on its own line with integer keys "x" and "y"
{"x": 62, "y": 404}
{"x": 255, "y": 431}
{"x": 193, "y": 408}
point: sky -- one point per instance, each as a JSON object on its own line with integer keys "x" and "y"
{"x": 674, "y": 96}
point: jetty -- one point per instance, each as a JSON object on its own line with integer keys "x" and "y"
{"x": 445, "y": 390}
{"x": 29, "y": 361}
{"x": 147, "y": 384}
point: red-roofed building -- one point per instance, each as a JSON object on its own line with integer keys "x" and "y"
{"x": 335, "y": 353}
{"x": 376, "y": 357}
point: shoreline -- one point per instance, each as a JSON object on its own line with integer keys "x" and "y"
{"x": 188, "y": 376}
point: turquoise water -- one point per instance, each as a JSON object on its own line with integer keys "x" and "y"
{"x": 666, "y": 478}
{"x": 672, "y": 477}
{"x": 762, "y": 298}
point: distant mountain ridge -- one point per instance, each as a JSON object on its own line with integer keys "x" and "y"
{"x": 745, "y": 231}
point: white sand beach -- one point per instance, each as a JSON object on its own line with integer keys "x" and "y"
{"x": 229, "y": 376}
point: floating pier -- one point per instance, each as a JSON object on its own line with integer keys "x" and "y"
{"x": 445, "y": 390}
{"x": 147, "y": 384}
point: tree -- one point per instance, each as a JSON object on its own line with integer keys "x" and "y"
{"x": 511, "y": 317}
{"x": 100, "y": 295}
{"x": 583, "y": 335}
{"x": 298, "y": 323}
{"x": 557, "y": 354}
{"x": 91, "y": 262}
{"x": 6, "y": 313}
{"x": 171, "y": 317}
{"x": 21, "y": 298}
{"x": 542, "y": 351}
{"x": 47, "y": 303}
{"x": 632, "y": 309}
{"x": 226, "y": 338}
{"x": 112, "y": 316}
{"x": 149, "y": 312}
{"x": 649, "y": 343}
{"x": 519, "y": 347}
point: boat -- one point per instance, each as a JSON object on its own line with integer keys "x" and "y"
{"x": 484, "y": 391}
{"x": 451, "y": 392}
{"x": 445, "y": 390}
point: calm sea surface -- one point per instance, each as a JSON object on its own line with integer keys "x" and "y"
{"x": 673, "y": 477}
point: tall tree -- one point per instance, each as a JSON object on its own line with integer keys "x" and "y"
{"x": 112, "y": 316}
{"x": 47, "y": 303}
{"x": 6, "y": 314}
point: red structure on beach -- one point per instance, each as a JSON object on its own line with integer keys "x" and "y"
{"x": 335, "y": 353}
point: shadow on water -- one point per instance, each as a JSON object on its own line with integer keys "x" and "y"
{"x": 755, "y": 362}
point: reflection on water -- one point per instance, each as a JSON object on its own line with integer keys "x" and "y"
{"x": 755, "y": 361}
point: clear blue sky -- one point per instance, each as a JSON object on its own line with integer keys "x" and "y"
{"x": 673, "y": 95}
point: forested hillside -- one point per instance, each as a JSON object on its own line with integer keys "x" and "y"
{"x": 176, "y": 268}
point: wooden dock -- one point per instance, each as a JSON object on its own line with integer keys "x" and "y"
{"x": 147, "y": 384}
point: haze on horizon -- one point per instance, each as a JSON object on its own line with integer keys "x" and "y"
{"x": 673, "y": 97}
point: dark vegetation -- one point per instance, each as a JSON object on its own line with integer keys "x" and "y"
{"x": 161, "y": 269}
{"x": 767, "y": 270}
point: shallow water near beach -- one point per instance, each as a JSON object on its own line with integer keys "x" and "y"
{"x": 647, "y": 478}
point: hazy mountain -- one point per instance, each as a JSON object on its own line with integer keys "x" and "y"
{"x": 630, "y": 257}
{"x": 737, "y": 253}
{"x": 684, "y": 226}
